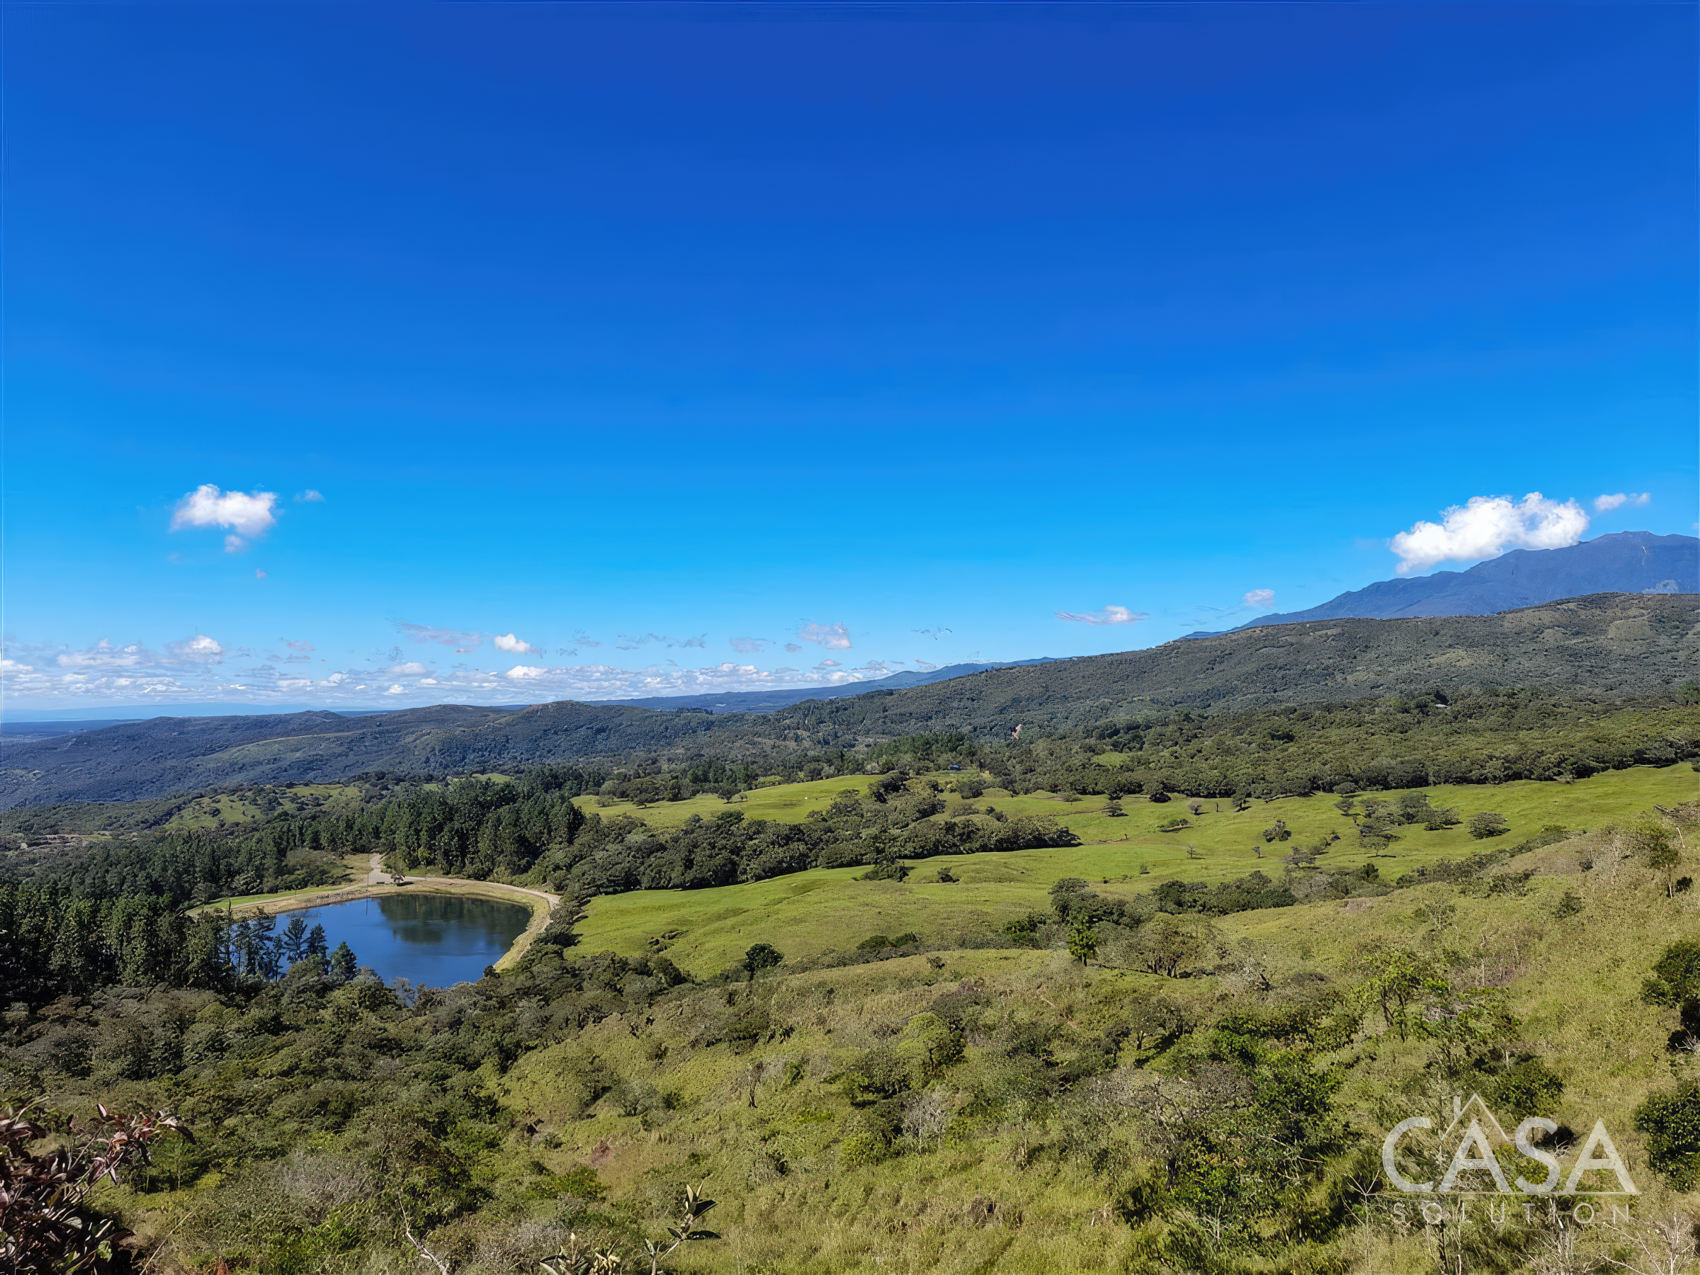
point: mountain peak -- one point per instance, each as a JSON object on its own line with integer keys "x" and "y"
{"x": 1618, "y": 562}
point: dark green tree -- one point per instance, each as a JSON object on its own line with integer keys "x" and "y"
{"x": 763, "y": 956}
{"x": 1082, "y": 940}
{"x": 1488, "y": 824}
{"x": 343, "y": 964}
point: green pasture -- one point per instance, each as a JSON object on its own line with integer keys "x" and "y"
{"x": 785, "y": 803}
{"x": 829, "y": 909}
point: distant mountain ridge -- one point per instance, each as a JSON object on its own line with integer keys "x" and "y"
{"x": 1608, "y": 645}
{"x": 1623, "y": 562}
{"x": 771, "y": 701}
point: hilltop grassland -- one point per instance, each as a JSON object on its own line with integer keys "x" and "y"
{"x": 828, "y": 909}
{"x": 782, "y": 802}
{"x": 1037, "y": 1142}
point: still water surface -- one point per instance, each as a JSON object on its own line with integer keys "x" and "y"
{"x": 433, "y": 940}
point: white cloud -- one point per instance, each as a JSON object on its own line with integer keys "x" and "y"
{"x": 1617, "y": 499}
{"x": 513, "y": 645}
{"x": 310, "y": 496}
{"x": 1487, "y": 526}
{"x": 234, "y": 544}
{"x": 1259, "y": 598}
{"x": 834, "y": 637}
{"x": 1109, "y": 615}
{"x": 103, "y": 654}
{"x": 258, "y": 574}
{"x": 200, "y": 648}
{"x": 202, "y": 670}
{"x": 246, "y": 513}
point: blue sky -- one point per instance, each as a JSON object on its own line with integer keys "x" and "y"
{"x": 562, "y": 351}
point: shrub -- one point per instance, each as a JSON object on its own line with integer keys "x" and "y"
{"x": 1671, "y": 1122}
{"x": 876, "y": 1076}
{"x": 1528, "y": 1088}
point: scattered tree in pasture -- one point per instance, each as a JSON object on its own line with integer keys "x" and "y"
{"x": 1488, "y": 823}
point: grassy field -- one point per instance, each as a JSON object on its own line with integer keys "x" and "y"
{"x": 829, "y": 909}
{"x": 786, "y": 803}
{"x": 765, "y": 1125}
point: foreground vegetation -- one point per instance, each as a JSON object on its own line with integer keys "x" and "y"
{"x": 1169, "y": 1033}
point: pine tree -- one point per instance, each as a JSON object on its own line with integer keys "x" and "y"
{"x": 293, "y": 940}
{"x": 343, "y": 964}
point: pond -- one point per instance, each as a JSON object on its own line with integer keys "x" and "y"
{"x": 432, "y": 940}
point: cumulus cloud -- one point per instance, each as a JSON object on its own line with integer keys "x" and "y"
{"x": 1109, "y": 615}
{"x": 513, "y": 645}
{"x": 1260, "y": 598}
{"x": 244, "y": 513}
{"x": 413, "y": 668}
{"x": 8, "y": 665}
{"x": 310, "y": 496}
{"x": 1487, "y": 526}
{"x": 793, "y": 647}
{"x": 199, "y": 648}
{"x": 527, "y": 672}
{"x": 834, "y": 637}
{"x": 1618, "y": 499}
{"x": 396, "y": 689}
{"x": 749, "y": 645}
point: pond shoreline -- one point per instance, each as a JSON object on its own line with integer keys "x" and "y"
{"x": 378, "y": 884}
